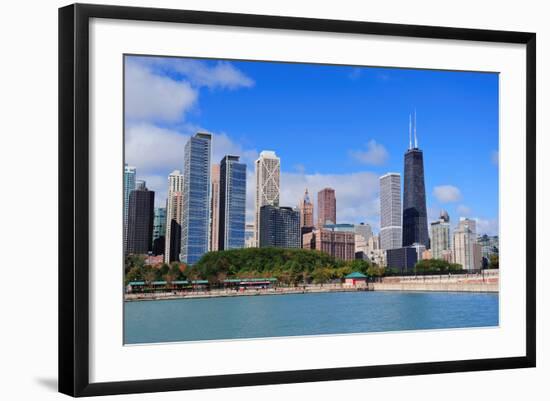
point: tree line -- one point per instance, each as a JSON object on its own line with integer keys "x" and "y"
{"x": 288, "y": 266}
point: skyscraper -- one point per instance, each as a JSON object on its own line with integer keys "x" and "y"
{"x": 268, "y": 172}
{"x": 306, "y": 211}
{"x": 441, "y": 235}
{"x": 232, "y": 203}
{"x": 159, "y": 230}
{"x": 390, "y": 211}
{"x": 195, "y": 221}
{"x": 466, "y": 250}
{"x": 129, "y": 186}
{"x": 140, "y": 221}
{"x": 279, "y": 227}
{"x": 326, "y": 207}
{"x": 415, "y": 219}
{"x": 173, "y": 217}
{"x": 215, "y": 207}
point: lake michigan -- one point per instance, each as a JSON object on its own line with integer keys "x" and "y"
{"x": 305, "y": 314}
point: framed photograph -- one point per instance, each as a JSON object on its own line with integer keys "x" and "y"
{"x": 251, "y": 199}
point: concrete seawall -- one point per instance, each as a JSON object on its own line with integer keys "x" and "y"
{"x": 486, "y": 282}
{"x": 453, "y": 287}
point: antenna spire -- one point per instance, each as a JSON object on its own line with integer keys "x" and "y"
{"x": 410, "y": 132}
{"x": 415, "y": 140}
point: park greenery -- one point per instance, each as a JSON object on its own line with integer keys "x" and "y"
{"x": 288, "y": 266}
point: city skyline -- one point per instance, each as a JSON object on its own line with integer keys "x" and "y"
{"x": 365, "y": 155}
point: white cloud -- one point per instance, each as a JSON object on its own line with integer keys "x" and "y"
{"x": 376, "y": 154}
{"x": 221, "y": 75}
{"x": 447, "y": 193}
{"x": 486, "y": 226}
{"x": 463, "y": 210}
{"x": 152, "y": 149}
{"x": 150, "y": 97}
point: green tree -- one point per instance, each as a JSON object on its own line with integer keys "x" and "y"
{"x": 375, "y": 271}
{"x": 493, "y": 261}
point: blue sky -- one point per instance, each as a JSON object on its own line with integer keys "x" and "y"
{"x": 336, "y": 126}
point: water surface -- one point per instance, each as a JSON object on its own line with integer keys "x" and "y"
{"x": 304, "y": 314}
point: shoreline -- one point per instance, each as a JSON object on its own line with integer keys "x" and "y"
{"x": 385, "y": 287}
{"x": 247, "y": 293}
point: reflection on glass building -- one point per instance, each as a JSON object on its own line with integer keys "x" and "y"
{"x": 232, "y": 204}
{"x": 195, "y": 222}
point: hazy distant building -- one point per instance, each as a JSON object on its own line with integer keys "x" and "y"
{"x": 195, "y": 221}
{"x": 141, "y": 185}
{"x": 441, "y": 235}
{"x": 140, "y": 221}
{"x": 268, "y": 172}
{"x": 390, "y": 211}
{"x": 339, "y": 244}
{"x": 466, "y": 250}
{"x": 159, "y": 230}
{"x": 232, "y": 203}
{"x": 306, "y": 211}
{"x": 489, "y": 245}
{"x": 364, "y": 230}
{"x": 249, "y": 236}
{"x": 326, "y": 207}
{"x": 403, "y": 259}
{"x": 279, "y": 227}
{"x": 129, "y": 186}
{"x": 415, "y": 218}
{"x": 174, "y": 211}
{"x": 215, "y": 207}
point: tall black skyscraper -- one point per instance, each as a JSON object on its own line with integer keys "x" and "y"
{"x": 415, "y": 219}
{"x": 140, "y": 221}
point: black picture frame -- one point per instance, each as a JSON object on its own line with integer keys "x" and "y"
{"x": 74, "y": 198}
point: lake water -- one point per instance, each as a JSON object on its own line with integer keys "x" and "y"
{"x": 304, "y": 314}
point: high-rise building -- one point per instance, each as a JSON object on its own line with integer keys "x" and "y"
{"x": 339, "y": 244}
{"x": 466, "y": 250}
{"x": 441, "y": 235}
{"x": 415, "y": 218}
{"x": 215, "y": 208}
{"x": 232, "y": 203}
{"x": 364, "y": 230}
{"x": 174, "y": 211}
{"x": 268, "y": 174}
{"x": 279, "y": 227}
{"x": 159, "y": 230}
{"x": 141, "y": 185}
{"x": 402, "y": 259}
{"x": 326, "y": 207}
{"x": 195, "y": 221}
{"x": 249, "y": 236}
{"x": 140, "y": 221}
{"x": 391, "y": 235}
{"x": 306, "y": 211}
{"x": 129, "y": 186}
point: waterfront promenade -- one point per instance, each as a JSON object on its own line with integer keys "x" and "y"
{"x": 488, "y": 281}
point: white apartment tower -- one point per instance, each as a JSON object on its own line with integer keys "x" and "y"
{"x": 466, "y": 251}
{"x": 390, "y": 211}
{"x": 441, "y": 236}
{"x": 173, "y": 212}
{"x": 268, "y": 172}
